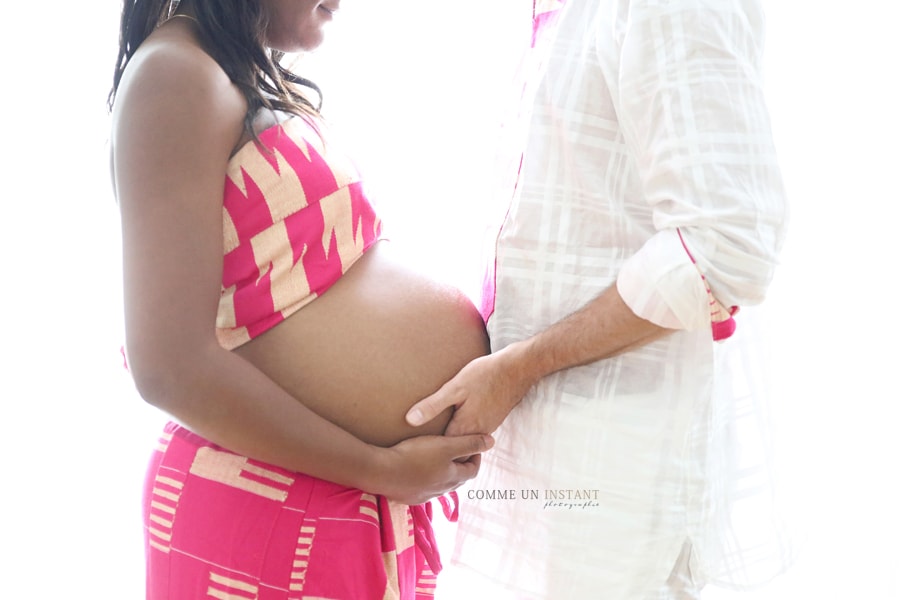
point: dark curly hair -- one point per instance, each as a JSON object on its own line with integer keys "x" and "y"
{"x": 233, "y": 32}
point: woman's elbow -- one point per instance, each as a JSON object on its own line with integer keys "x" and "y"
{"x": 159, "y": 376}
{"x": 154, "y": 384}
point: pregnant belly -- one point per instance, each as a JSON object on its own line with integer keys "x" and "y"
{"x": 383, "y": 337}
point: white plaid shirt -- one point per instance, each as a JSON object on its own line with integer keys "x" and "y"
{"x": 648, "y": 121}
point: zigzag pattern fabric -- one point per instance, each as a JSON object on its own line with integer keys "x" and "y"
{"x": 295, "y": 219}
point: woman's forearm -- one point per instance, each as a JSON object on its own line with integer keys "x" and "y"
{"x": 224, "y": 398}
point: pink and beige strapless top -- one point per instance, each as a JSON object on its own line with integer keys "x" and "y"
{"x": 295, "y": 219}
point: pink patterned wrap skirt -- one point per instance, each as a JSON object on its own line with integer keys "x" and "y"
{"x": 220, "y": 525}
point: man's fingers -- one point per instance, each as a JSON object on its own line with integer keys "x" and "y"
{"x": 464, "y": 446}
{"x": 428, "y": 408}
{"x": 456, "y": 427}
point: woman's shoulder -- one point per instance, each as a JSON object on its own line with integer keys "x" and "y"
{"x": 172, "y": 73}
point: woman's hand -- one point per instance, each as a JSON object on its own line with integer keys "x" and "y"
{"x": 421, "y": 468}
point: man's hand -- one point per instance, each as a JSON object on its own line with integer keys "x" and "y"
{"x": 488, "y": 388}
{"x": 483, "y": 392}
{"x": 421, "y": 468}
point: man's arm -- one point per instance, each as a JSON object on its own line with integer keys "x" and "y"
{"x": 693, "y": 115}
{"x": 487, "y": 389}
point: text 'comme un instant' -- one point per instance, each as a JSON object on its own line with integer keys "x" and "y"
{"x": 552, "y": 498}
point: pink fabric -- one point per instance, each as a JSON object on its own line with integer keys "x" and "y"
{"x": 295, "y": 219}
{"x": 543, "y": 14}
{"x": 424, "y": 533}
{"x": 220, "y": 525}
{"x": 723, "y": 327}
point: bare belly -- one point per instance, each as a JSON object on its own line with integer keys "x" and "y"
{"x": 382, "y": 338}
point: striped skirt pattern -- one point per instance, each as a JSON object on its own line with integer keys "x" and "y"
{"x": 223, "y": 526}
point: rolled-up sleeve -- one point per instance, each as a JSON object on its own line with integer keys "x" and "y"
{"x": 691, "y": 106}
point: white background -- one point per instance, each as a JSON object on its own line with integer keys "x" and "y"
{"x": 419, "y": 88}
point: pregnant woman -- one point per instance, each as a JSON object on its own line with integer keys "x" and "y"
{"x": 266, "y": 316}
